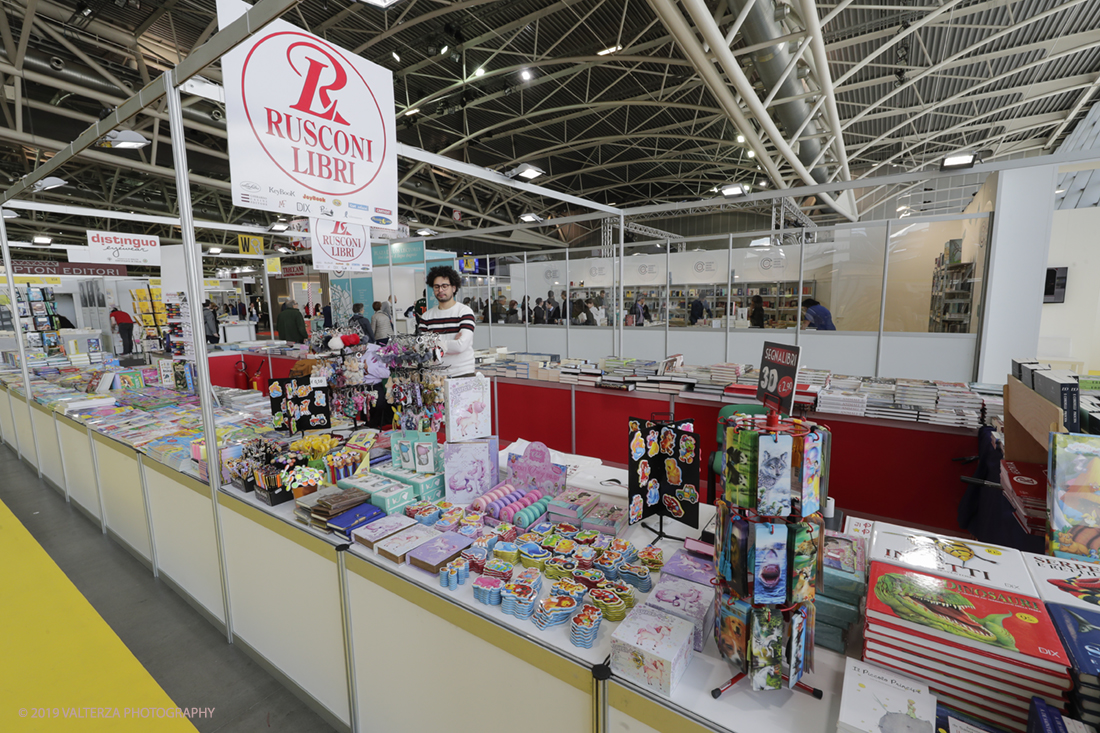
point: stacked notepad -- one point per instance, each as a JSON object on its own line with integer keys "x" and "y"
{"x": 844, "y": 382}
{"x": 965, "y": 618}
{"x": 958, "y": 418}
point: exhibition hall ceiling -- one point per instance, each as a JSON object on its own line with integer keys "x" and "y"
{"x": 623, "y": 102}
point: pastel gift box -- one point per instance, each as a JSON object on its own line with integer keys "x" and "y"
{"x": 380, "y": 529}
{"x": 607, "y": 518}
{"x": 394, "y": 498}
{"x": 690, "y": 601}
{"x": 436, "y": 553}
{"x": 572, "y": 505}
{"x": 397, "y": 546}
{"x": 652, "y": 648}
{"x": 369, "y": 483}
{"x": 407, "y": 451}
{"x": 689, "y": 566}
{"x": 427, "y": 485}
{"x": 471, "y": 469}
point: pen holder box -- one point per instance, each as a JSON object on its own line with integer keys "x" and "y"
{"x": 274, "y": 497}
{"x": 391, "y": 499}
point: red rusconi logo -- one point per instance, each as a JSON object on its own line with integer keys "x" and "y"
{"x": 327, "y": 132}
{"x": 341, "y": 244}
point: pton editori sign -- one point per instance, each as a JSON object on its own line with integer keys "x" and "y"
{"x": 311, "y": 126}
{"x": 118, "y": 249}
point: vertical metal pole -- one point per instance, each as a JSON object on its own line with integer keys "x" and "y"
{"x": 565, "y": 309}
{"x": 193, "y": 268}
{"x": 496, "y": 408}
{"x": 389, "y": 275}
{"x": 148, "y": 517}
{"x": 98, "y": 486}
{"x": 489, "y": 298}
{"x": 64, "y": 470}
{"x": 729, "y": 294}
{"x": 798, "y": 294}
{"x": 349, "y": 639}
{"x": 529, "y": 306}
{"x": 573, "y": 417}
{"x": 9, "y": 275}
{"x": 622, "y": 287}
{"x": 668, "y": 290}
{"x": 882, "y": 302}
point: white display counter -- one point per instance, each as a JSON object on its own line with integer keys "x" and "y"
{"x": 236, "y": 332}
{"x": 363, "y": 640}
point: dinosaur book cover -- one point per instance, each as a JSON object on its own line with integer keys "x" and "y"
{"x": 1004, "y": 624}
{"x": 968, "y": 561}
{"x": 877, "y": 700}
{"x": 1065, "y": 581}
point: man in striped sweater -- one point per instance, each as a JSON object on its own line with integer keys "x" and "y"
{"x": 451, "y": 320}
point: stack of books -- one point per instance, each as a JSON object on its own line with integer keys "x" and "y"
{"x": 844, "y": 382}
{"x": 727, "y": 373}
{"x": 876, "y": 700}
{"x": 993, "y": 401}
{"x": 819, "y": 377}
{"x": 918, "y": 392}
{"x": 956, "y": 396}
{"x": 842, "y": 402}
{"x": 1025, "y": 487}
{"x": 958, "y": 418}
{"x": 838, "y": 604}
{"x": 965, "y": 618}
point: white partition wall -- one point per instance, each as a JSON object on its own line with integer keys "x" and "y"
{"x": 120, "y": 488}
{"x": 77, "y": 450}
{"x": 945, "y": 356}
{"x": 24, "y": 429}
{"x": 48, "y": 447}
{"x": 7, "y": 422}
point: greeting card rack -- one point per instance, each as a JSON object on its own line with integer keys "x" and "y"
{"x": 768, "y": 549}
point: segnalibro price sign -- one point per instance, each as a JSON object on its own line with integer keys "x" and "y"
{"x": 778, "y": 376}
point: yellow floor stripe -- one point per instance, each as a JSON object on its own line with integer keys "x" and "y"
{"x": 61, "y": 666}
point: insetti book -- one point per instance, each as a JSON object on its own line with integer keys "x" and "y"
{"x": 1065, "y": 581}
{"x": 964, "y": 560}
{"x": 991, "y": 621}
{"x": 876, "y": 699}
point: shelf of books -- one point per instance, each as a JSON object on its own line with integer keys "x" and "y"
{"x": 150, "y": 309}
{"x": 952, "y": 291}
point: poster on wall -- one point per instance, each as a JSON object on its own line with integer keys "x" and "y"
{"x": 664, "y": 471}
{"x": 310, "y": 124}
{"x": 118, "y": 249}
{"x": 340, "y": 246}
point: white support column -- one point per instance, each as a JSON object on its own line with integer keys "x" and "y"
{"x": 1020, "y": 240}
{"x": 9, "y": 275}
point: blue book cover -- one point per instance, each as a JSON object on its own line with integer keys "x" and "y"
{"x": 1080, "y": 632}
{"x": 343, "y": 524}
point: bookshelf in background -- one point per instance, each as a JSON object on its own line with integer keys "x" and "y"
{"x": 952, "y": 302}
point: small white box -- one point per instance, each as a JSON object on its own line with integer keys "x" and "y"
{"x": 652, "y": 648}
{"x": 690, "y": 601}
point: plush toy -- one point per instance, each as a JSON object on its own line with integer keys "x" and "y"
{"x": 336, "y": 343}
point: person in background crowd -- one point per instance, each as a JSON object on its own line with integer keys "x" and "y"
{"x": 639, "y": 312}
{"x": 553, "y": 313}
{"x": 600, "y": 313}
{"x": 291, "y": 325}
{"x": 586, "y": 317}
{"x": 512, "y": 316}
{"x": 524, "y": 311}
{"x": 540, "y": 312}
{"x": 816, "y": 315}
{"x": 499, "y": 311}
{"x": 756, "y": 312}
{"x": 382, "y": 325}
{"x": 210, "y": 322}
{"x": 359, "y": 320}
{"x": 698, "y": 307}
{"x": 317, "y": 322}
{"x": 451, "y": 320}
{"x": 645, "y": 312}
{"x": 599, "y": 299}
{"x": 123, "y": 324}
{"x": 242, "y": 310}
{"x": 326, "y": 313}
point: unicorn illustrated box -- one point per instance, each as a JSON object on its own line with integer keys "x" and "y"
{"x": 689, "y": 566}
{"x": 471, "y": 469}
{"x": 687, "y": 600}
{"x": 652, "y": 648}
{"x": 425, "y": 484}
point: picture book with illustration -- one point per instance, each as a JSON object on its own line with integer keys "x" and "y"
{"x": 877, "y": 700}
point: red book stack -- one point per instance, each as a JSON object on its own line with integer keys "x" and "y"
{"x": 1025, "y": 487}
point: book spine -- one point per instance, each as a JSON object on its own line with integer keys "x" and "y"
{"x": 1071, "y": 405}
{"x": 1036, "y": 720}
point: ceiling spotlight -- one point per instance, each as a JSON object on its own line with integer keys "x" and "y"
{"x": 49, "y": 182}
{"x": 733, "y": 190}
{"x": 525, "y": 170}
{"x": 279, "y": 225}
{"x": 411, "y": 112}
{"x": 741, "y": 138}
{"x": 425, "y": 232}
{"x": 443, "y": 51}
{"x": 41, "y": 239}
{"x": 902, "y": 208}
{"x": 215, "y": 250}
{"x": 959, "y": 161}
{"x": 530, "y": 218}
{"x": 752, "y": 153}
{"x": 380, "y": 3}
{"x": 525, "y": 75}
{"x": 1060, "y": 190}
{"x": 609, "y": 50}
{"x": 479, "y": 71}
{"x": 396, "y": 57}
{"x": 10, "y": 214}
{"x": 123, "y": 140}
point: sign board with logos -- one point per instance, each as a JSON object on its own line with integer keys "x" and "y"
{"x": 250, "y": 244}
{"x": 340, "y": 246}
{"x": 294, "y": 270}
{"x": 36, "y": 267}
{"x": 778, "y": 376}
{"x": 399, "y": 253}
{"x": 310, "y": 124}
{"x": 119, "y": 249}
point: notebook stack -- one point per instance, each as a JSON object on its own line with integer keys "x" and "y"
{"x": 965, "y": 618}
{"x": 841, "y": 402}
{"x": 1069, "y": 588}
{"x": 917, "y": 392}
{"x": 838, "y": 604}
{"x": 1025, "y": 487}
{"x": 844, "y": 382}
{"x": 726, "y": 373}
{"x": 959, "y": 418}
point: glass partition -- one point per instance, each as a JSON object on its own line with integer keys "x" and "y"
{"x": 764, "y": 273}
{"x": 546, "y": 280}
{"x": 645, "y": 281}
{"x": 842, "y": 271}
{"x": 934, "y": 278}
{"x": 699, "y": 276}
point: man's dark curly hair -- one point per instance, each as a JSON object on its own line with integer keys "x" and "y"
{"x": 444, "y": 271}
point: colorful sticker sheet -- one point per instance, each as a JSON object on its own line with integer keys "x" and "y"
{"x": 296, "y": 406}
{"x": 664, "y": 470}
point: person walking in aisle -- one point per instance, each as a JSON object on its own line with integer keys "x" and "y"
{"x": 698, "y": 307}
{"x": 639, "y": 312}
{"x": 756, "y": 312}
{"x": 382, "y": 325}
{"x": 816, "y": 315}
{"x": 450, "y": 320}
{"x": 540, "y": 312}
{"x": 553, "y": 313}
{"x": 124, "y": 325}
{"x": 291, "y": 325}
{"x": 359, "y": 320}
{"x": 210, "y": 322}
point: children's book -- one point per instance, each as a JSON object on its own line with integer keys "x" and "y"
{"x": 876, "y": 699}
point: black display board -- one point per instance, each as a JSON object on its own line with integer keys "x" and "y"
{"x": 297, "y": 406}
{"x": 664, "y": 471}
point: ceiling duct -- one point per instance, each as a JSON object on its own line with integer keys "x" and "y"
{"x": 761, "y": 26}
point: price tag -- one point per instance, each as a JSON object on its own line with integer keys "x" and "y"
{"x": 315, "y": 382}
{"x": 778, "y": 376}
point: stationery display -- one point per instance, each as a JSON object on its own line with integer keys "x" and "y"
{"x": 768, "y": 546}
{"x": 397, "y": 546}
{"x": 470, "y": 468}
{"x": 416, "y": 383}
{"x": 663, "y": 471}
{"x": 651, "y": 648}
{"x": 535, "y": 471}
{"x": 296, "y": 406}
{"x": 433, "y": 555}
{"x": 469, "y": 408}
{"x": 375, "y": 532}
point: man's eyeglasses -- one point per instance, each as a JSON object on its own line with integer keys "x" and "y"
{"x": 444, "y": 286}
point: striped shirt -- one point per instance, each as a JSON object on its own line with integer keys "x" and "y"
{"x": 455, "y": 327}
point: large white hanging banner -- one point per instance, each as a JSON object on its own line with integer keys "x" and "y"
{"x": 340, "y": 246}
{"x": 118, "y": 249}
{"x": 311, "y": 126}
